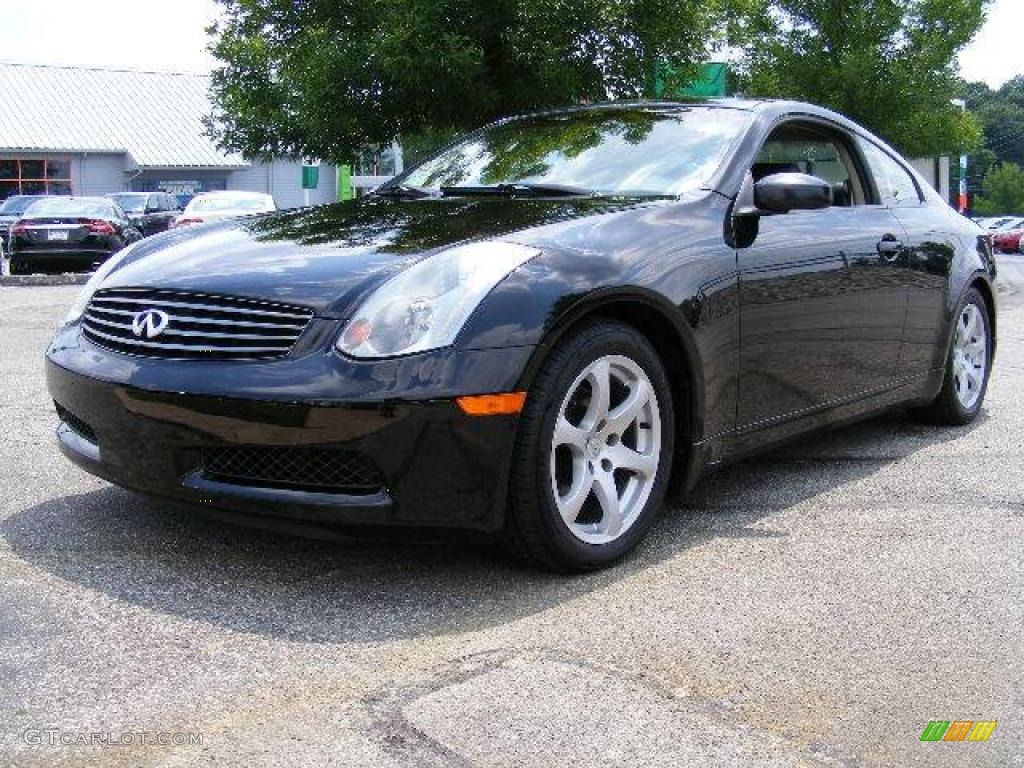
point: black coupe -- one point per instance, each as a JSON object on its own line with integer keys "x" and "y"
{"x": 69, "y": 234}
{"x": 536, "y": 332}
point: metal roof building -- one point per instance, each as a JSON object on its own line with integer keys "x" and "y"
{"x": 93, "y": 131}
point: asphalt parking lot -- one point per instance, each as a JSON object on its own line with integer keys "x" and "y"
{"x": 816, "y": 606}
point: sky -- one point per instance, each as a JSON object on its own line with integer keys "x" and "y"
{"x": 118, "y": 34}
{"x": 171, "y": 37}
{"x": 994, "y": 56}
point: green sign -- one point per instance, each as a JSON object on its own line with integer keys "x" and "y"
{"x": 310, "y": 176}
{"x": 712, "y": 83}
{"x": 345, "y": 189}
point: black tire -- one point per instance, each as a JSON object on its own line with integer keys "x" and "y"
{"x": 534, "y": 530}
{"x": 19, "y": 268}
{"x": 946, "y": 408}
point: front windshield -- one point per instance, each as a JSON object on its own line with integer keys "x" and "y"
{"x": 653, "y": 151}
{"x": 66, "y": 206}
{"x": 131, "y": 203}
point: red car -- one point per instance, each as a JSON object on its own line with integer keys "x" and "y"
{"x": 1007, "y": 239}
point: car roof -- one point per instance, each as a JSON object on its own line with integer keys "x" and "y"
{"x": 761, "y": 106}
{"x": 231, "y": 193}
{"x": 76, "y": 199}
{"x": 27, "y": 197}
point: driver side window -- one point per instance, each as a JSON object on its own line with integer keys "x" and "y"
{"x": 816, "y": 151}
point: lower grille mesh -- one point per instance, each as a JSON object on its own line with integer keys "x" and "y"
{"x": 297, "y": 467}
{"x": 76, "y": 424}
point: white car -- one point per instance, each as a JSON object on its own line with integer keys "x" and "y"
{"x": 994, "y": 223}
{"x": 216, "y": 206}
{"x": 1007, "y": 224}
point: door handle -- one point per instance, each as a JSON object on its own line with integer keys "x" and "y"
{"x": 889, "y": 247}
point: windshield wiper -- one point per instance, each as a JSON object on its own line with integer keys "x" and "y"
{"x": 404, "y": 191}
{"x": 520, "y": 189}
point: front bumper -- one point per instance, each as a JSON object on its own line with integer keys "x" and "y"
{"x": 437, "y": 466}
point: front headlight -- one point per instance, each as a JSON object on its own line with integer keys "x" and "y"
{"x": 108, "y": 266}
{"x": 426, "y": 306}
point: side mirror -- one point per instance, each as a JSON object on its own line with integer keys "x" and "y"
{"x": 784, "y": 192}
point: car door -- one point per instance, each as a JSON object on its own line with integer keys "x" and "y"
{"x": 822, "y": 299}
{"x": 144, "y": 219}
{"x": 931, "y": 246}
{"x": 168, "y": 211}
{"x": 127, "y": 230}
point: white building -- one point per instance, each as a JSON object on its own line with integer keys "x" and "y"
{"x": 70, "y": 130}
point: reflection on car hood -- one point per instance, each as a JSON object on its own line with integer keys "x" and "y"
{"x": 325, "y": 257}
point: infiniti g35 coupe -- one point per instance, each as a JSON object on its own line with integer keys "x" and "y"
{"x": 536, "y": 332}
{"x": 68, "y": 234}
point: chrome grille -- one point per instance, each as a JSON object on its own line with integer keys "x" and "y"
{"x": 199, "y": 325}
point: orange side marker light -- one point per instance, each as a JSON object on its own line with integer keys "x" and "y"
{"x": 492, "y": 405}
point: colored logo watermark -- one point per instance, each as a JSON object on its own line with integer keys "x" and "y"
{"x": 958, "y": 730}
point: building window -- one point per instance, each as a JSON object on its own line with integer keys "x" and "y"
{"x": 34, "y": 176}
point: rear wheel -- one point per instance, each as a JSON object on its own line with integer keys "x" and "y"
{"x": 967, "y": 366}
{"x": 594, "y": 451}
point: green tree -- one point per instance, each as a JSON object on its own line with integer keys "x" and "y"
{"x": 1001, "y": 114}
{"x": 1003, "y": 191}
{"x": 888, "y": 64}
{"x": 324, "y": 78}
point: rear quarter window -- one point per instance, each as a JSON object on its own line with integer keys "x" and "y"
{"x": 896, "y": 187}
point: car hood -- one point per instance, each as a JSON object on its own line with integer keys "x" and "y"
{"x": 326, "y": 257}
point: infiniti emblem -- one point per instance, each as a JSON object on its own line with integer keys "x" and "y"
{"x": 152, "y": 321}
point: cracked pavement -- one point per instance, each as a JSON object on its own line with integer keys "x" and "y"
{"x": 813, "y": 606}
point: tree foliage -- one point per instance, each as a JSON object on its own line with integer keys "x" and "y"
{"x": 325, "y": 77}
{"x": 888, "y": 64}
{"x": 1003, "y": 191}
{"x": 1001, "y": 113}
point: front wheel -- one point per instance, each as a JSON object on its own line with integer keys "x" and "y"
{"x": 594, "y": 451}
{"x": 968, "y": 365}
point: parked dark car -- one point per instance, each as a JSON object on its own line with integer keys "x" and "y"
{"x": 10, "y": 211}
{"x": 182, "y": 199}
{"x": 69, "y": 234}
{"x": 150, "y": 212}
{"x": 537, "y": 331}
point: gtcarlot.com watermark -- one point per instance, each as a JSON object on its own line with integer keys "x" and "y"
{"x": 54, "y": 737}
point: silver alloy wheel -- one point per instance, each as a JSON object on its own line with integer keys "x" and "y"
{"x": 605, "y": 449}
{"x": 970, "y": 356}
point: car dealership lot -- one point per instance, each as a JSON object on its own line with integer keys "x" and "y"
{"x": 817, "y": 605}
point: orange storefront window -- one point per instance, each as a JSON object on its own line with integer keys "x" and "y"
{"x": 34, "y": 176}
